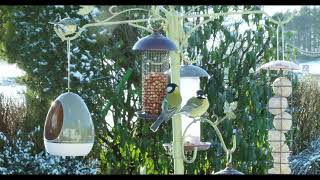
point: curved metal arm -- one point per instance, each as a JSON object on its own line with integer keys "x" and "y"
{"x": 115, "y": 14}
{"x": 194, "y": 156}
{"x": 130, "y": 22}
{"x": 195, "y": 149}
{"x": 239, "y": 13}
{"x": 214, "y": 125}
{"x": 158, "y": 17}
{"x": 107, "y": 22}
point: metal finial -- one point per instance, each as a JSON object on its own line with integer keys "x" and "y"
{"x": 66, "y": 26}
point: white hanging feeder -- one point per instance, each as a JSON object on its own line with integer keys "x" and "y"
{"x": 69, "y": 130}
{"x": 191, "y": 74}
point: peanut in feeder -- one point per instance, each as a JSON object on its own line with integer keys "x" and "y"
{"x": 155, "y": 50}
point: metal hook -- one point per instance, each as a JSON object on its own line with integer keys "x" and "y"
{"x": 68, "y": 56}
{"x": 194, "y": 156}
{"x": 153, "y": 28}
{"x": 111, "y": 10}
{"x": 195, "y": 149}
{"x": 150, "y": 19}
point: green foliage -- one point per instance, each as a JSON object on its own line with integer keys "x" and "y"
{"x": 229, "y": 64}
{"x": 104, "y": 59}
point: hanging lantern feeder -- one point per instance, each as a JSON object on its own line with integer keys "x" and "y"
{"x": 191, "y": 74}
{"x": 228, "y": 171}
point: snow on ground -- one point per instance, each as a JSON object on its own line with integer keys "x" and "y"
{"x": 8, "y": 85}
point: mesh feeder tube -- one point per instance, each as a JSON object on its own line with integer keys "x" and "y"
{"x": 155, "y": 50}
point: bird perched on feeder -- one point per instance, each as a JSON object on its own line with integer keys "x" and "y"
{"x": 196, "y": 106}
{"x": 170, "y": 106}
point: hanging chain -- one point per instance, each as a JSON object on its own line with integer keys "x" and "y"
{"x": 278, "y": 42}
{"x": 282, "y": 31}
{"x": 68, "y": 51}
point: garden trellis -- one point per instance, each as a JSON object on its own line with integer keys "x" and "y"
{"x": 173, "y": 26}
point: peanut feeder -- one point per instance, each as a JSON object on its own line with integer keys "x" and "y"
{"x": 155, "y": 50}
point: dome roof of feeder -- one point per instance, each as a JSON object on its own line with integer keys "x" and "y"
{"x": 279, "y": 64}
{"x": 191, "y": 71}
{"x": 228, "y": 171}
{"x": 155, "y": 42}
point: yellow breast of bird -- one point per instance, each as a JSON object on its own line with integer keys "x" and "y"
{"x": 197, "y": 112}
{"x": 174, "y": 99}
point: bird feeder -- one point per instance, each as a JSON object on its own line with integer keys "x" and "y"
{"x": 228, "y": 171}
{"x": 189, "y": 85}
{"x": 155, "y": 50}
{"x": 282, "y": 88}
{"x": 279, "y": 65}
{"x": 68, "y": 129}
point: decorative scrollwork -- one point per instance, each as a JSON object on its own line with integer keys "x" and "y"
{"x": 108, "y": 21}
{"x": 111, "y": 10}
{"x": 228, "y": 109}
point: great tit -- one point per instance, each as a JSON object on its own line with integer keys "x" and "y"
{"x": 196, "y": 106}
{"x": 170, "y": 106}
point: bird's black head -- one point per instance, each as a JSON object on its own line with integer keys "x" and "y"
{"x": 171, "y": 87}
{"x": 200, "y": 94}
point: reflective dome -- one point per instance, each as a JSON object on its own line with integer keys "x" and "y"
{"x": 229, "y": 171}
{"x": 278, "y": 65}
{"x": 191, "y": 71}
{"x": 68, "y": 129}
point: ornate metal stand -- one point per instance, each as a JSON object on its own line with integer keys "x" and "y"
{"x": 172, "y": 24}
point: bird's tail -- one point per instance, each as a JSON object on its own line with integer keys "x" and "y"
{"x": 155, "y": 126}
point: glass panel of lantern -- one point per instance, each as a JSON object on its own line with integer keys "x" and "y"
{"x": 69, "y": 129}
{"x": 155, "y": 50}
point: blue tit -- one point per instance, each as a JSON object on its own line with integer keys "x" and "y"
{"x": 170, "y": 106}
{"x": 196, "y": 106}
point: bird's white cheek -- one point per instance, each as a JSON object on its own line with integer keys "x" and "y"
{"x": 169, "y": 89}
